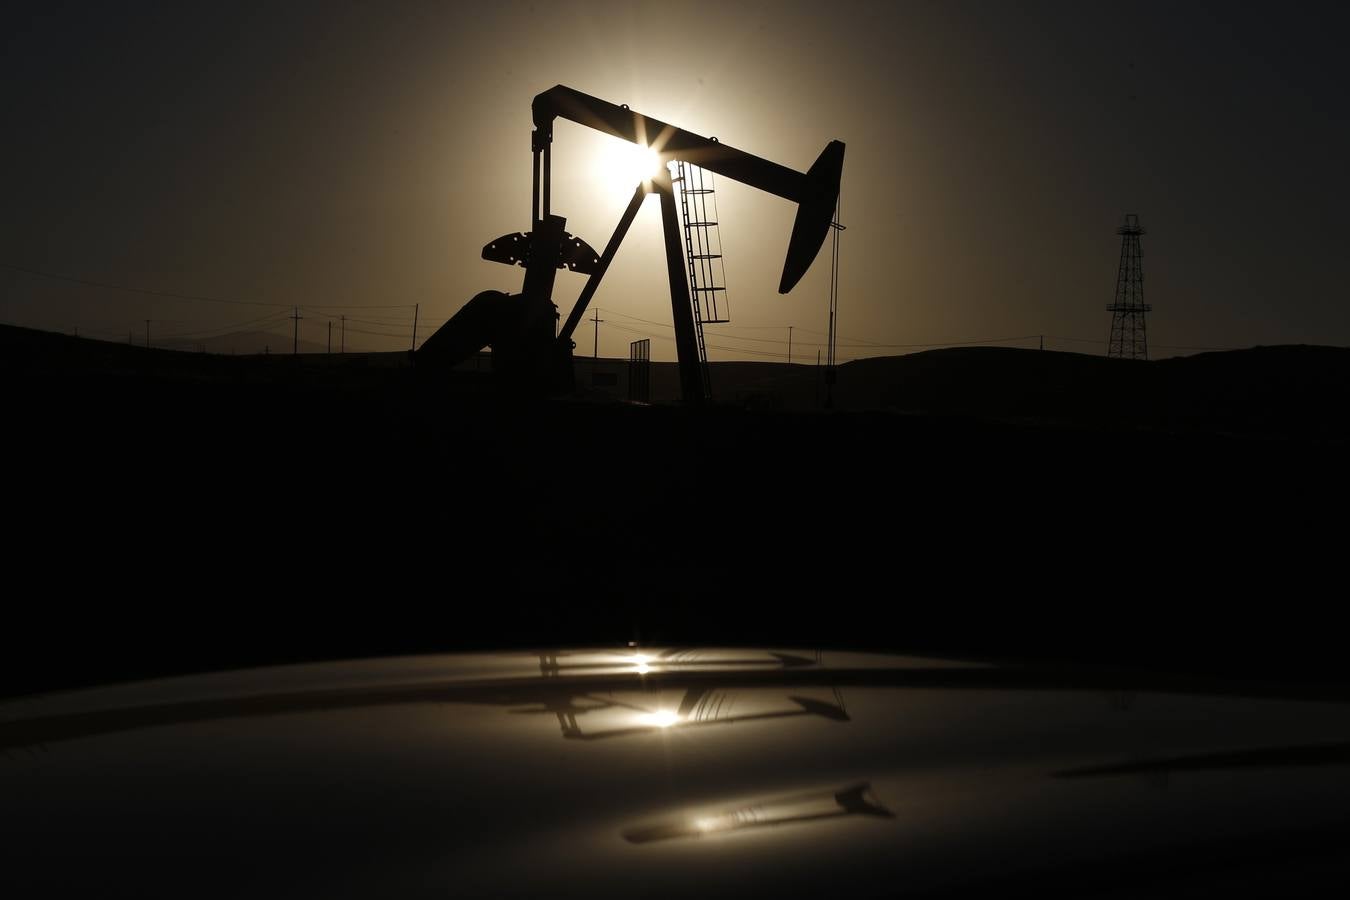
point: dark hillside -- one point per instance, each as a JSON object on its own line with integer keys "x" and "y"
{"x": 175, "y": 511}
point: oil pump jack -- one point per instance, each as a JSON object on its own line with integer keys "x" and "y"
{"x": 527, "y": 347}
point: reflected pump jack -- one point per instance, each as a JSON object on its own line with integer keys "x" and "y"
{"x": 521, "y": 327}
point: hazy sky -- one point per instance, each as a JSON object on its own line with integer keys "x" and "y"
{"x": 332, "y": 154}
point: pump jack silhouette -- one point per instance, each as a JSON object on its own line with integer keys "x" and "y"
{"x": 521, "y": 327}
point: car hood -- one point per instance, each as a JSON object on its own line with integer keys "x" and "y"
{"x": 663, "y": 771}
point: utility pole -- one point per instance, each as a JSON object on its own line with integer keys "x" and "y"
{"x": 416, "y": 308}
{"x": 789, "y": 345}
{"x": 147, "y": 334}
{"x": 595, "y": 353}
{"x": 295, "y": 337}
{"x": 344, "y": 334}
{"x": 817, "y": 378}
{"x": 830, "y": 373}
{"x": 1042, "y": 342}
{"x": 330, "y": 337}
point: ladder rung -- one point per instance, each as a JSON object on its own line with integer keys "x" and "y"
{"x": 698, "y": 190}
{"x": 706, "y": 256}
{"x": 710, "y": 289}
{"x": 701, "y": 224}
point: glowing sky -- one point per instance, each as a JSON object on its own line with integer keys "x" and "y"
{"x": 334, "y": 154}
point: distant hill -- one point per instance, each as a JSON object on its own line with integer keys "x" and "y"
{"x": 1284, "y": 389}
{"x": 242, "y": 343}
{"x": 38, "y": 356}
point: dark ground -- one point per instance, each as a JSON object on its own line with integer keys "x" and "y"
{"x": 174, "y": 512}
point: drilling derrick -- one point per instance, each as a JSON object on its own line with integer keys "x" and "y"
{"x": 1129, "y": 339}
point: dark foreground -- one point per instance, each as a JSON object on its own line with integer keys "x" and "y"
{"x": 171, "y": 512}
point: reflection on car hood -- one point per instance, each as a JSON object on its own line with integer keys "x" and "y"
{"x": 665, "y": 771}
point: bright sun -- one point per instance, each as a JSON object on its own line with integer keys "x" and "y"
{"x": 623, "y": 164}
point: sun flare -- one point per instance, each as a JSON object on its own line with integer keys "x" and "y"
{"x": 623, "y": 164}
{"x": 662, "y": 718}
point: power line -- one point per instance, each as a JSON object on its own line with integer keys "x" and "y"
{"x": 361, "y": 305}
{"x": 1007, "y": 340}
{"x": 274, "y": 318}
{"x": 722, "y": 327}
{"x": 662, "y": 337}
{"x": 937, "y": 344}
{"x": 295, "y": 341}
{"x": 737, "y": 337}
{"x": 853, "y": 341}
{"x": 826, "y": 334}
{"x": 222, "y": 330}
{"x": 375, "y": 333}
{"x": 385, "y": 323}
